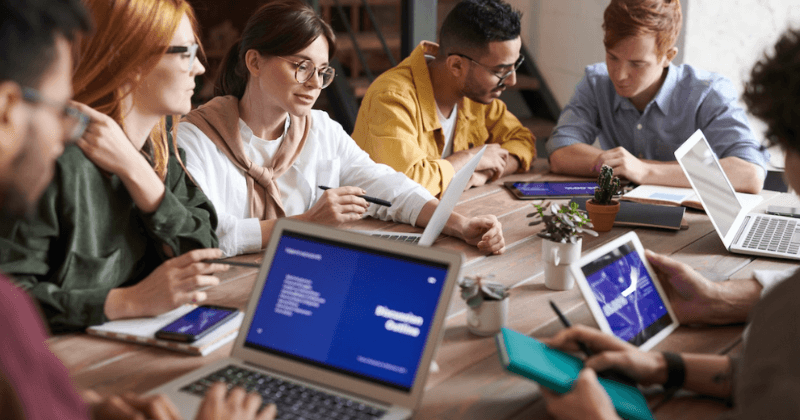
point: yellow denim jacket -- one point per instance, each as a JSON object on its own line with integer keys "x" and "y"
{"x": 398, "y": 124}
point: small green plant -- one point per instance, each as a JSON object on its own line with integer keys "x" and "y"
{"x": 474, "y": 290}
{"x": 563, "y": 224}
{"x": 607, "y": 186}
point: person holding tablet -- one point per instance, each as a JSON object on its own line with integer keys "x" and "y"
{"x": 260, "y": 152}
{"x": 766, "y": 381}
{"x": 641, "y": 107}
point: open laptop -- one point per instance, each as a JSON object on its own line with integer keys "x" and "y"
{"x": 443, "y": 210}
{"x": 338, "y": 326}
{"x": 741, "y": 230}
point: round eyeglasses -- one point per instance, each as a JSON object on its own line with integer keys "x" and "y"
{"x": 75, "y": 121}
{"x": 189, "y": 52}
{"x": 305, "y": 70}
{"x": 499, "y": 75}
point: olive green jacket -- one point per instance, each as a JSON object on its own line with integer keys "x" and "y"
{"x": 87, "y": 237}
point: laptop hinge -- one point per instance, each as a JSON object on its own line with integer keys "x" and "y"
{"x": 741, "y": 229}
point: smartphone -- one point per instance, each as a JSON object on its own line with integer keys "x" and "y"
{"x": 197, "y": 323}
{"x": 784, "y": 211}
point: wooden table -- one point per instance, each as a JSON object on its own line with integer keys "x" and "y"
{"x": 470, "y": 383}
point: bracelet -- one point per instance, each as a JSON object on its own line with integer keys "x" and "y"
{"x": 676, "y": 370}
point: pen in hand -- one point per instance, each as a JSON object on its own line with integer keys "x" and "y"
{"x": 584, "y": 348}
{"x": 369, "y": 199}
{"x": 612, "y": 374}
{"x": 236, "y": 263}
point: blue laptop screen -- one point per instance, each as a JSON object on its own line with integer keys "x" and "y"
{"x": 626, "y": 295}
{"x": 352, "y": 310}
{"x": 555, "y": 188}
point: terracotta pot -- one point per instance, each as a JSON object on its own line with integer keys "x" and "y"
{"x": 602, "y": 215}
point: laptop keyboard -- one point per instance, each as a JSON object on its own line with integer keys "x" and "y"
{"x": 400, "y": 238}
{"x": 293, "y": 401}
{"x": 771, "y": 234}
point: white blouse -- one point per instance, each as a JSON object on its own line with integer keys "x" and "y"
{"x": 329, "y": 157}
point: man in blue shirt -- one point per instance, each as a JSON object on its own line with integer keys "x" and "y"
{"x": 641, "y": 107}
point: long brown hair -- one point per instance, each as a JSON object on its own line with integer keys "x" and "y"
{"x": 278, "y": 28}
{"x": 130, "y": 38}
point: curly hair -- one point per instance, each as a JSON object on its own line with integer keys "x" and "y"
{"x": 773, "y": 92}
{"x": 473, "y": 24}
{"x": 627, "y": 18}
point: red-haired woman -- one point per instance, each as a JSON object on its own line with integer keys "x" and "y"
{"x": 122, "y": 230}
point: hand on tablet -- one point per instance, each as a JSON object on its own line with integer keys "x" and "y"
{"x": 586, "y": 400}
{"x": 612, "y": 353}
{"x": 697, "y": 300}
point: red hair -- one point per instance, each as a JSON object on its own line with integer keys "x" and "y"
{"x": 130, "y": 38}
{"x": 626, "y": 18}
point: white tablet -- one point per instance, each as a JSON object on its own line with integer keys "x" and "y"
{"x": 623, "y": 293}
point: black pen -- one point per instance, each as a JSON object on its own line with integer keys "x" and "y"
{"x": 377, "y": 201}
{"x": 612, "y": 374}
{"x": 236, "y": 263}
{"x": 584, "y": 348}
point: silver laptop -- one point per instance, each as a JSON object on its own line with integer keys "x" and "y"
{"x": 443, "y": 210}
{"x": 741, "y": 230}
{"x": 338, "y": 326}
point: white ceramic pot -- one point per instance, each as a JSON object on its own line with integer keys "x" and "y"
{"x": 557, "y": 257}
{"x": 488, "y": 318}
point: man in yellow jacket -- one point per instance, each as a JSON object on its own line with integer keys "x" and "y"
{"x": 429, "y": 115}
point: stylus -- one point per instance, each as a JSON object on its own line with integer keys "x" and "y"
{"x": 236, "y": 263}
{"x": 377, "y": 201}
{"x": 584, "y": 348}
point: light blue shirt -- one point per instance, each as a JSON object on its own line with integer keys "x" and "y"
{"x": 689, "y": 99}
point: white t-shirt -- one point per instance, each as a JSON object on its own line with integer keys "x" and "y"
{"x": 329, "y": 157}
{"x": 448, "y": 129}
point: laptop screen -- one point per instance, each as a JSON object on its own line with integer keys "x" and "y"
{"x": 711, "y": 184}
{"x": 357, "y": 311}
{"x": 626, "y": 294}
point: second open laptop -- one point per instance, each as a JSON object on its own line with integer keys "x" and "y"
{"x": 741, "y": 230}
{"x": 443, "y": 210}
{"x": 338, "y": 326}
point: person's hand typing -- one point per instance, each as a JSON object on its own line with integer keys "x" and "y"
{"x": 236, "y": 405}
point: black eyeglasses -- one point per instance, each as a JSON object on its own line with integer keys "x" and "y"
{"x": 305, "y": 70}
{"x": 501, "y": 76}
{"x": 189, "y": 52}
{"x": 75, "y": 120}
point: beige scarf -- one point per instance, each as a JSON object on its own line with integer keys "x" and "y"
{"x": 219, "y": 120}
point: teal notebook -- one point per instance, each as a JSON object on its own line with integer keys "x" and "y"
{"x": 555, "y": 370}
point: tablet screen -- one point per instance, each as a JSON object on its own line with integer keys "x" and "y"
{"x": 627, "y": 297}
{"x": 552, "y": 189}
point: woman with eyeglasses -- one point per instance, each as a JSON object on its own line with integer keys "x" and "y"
{"x": 122, "y": 231}
{"x": 260, "y": 152}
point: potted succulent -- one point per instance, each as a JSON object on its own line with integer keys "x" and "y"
{"x": 487, "y": 305}
{"x": 563, "y": 237}
{"x": 603, "y": 208}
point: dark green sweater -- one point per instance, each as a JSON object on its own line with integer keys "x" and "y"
{"x": 87, "y": 237}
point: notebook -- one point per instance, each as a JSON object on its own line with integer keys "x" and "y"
{"x": 556, "y": 370}
{"x": 143, "y": 330}
{"x": 443, "y": 210}
{"x": 741, "y": 230}
{"x": 336, "y": 321}
{"x": 674, "y": 196}
{"x": 645, "y": 215}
